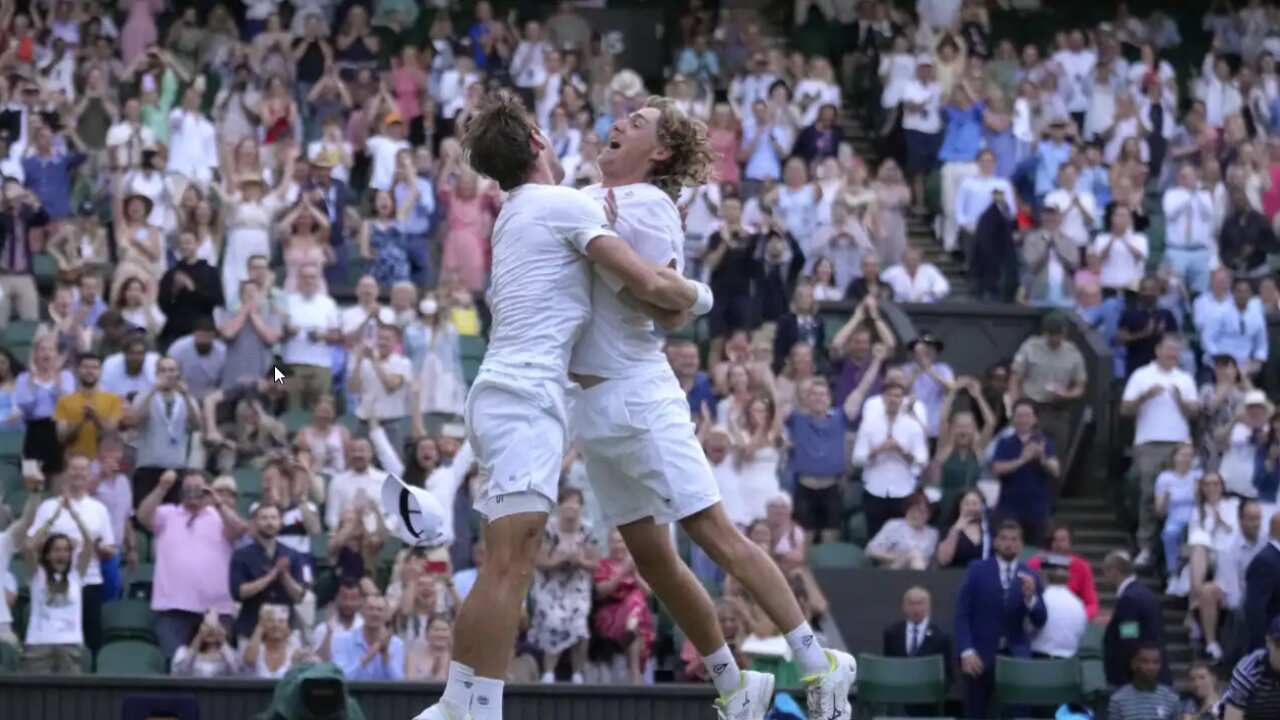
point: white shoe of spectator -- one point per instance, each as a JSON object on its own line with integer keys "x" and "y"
{"x": 1214, "y": 651}
{"x": 828, "y": 694}
{"x": 751, "y": 701}
{"x": 548, "y": 678}
{"x": 441, "y": 711}
{"x": 577, "y": 679}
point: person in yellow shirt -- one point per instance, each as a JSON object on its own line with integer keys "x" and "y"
{"x": 87, "y": 415}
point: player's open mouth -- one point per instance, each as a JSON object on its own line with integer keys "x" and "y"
{"x": 614, "y": 145}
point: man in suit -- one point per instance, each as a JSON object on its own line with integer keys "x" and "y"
{"x": 999, "y": 598}
{"x": 917, "y": 635}
{"x": 1262, "y": 588}
{"x": 1136, "y": 620}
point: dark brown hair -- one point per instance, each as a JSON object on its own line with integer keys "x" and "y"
{"x": 496, "y": 140}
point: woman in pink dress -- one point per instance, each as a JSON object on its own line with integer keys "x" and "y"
{"x": 305, "y": 230}
{"x": 470, "y": 210}
{"x": 725, "y": 137}
{"x": 622, "y": 606}
{"x": 139, "y": 31}
{"x": 408, "y": 81}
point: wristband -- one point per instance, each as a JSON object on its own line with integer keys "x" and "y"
{"x": 705, "y": 300}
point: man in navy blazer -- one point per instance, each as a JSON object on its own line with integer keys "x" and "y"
{"x": 1000, "y": 596}
{"x": 1135, "y": 621}
{"x": 1262, "y": 588}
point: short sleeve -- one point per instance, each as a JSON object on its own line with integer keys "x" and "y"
{"x": 581, "y": 220}
{"x": 1133, "y": 388}
{"x": 62, "y": 410}
{"x": 161, "y": 519}
{"x": 1020, "y": 360}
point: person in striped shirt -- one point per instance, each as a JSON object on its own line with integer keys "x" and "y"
{"x": 1144, "y": 698}
{"x": 1254, "y": 693}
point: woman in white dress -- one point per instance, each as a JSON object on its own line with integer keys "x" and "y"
{"x": 249, "y": 215}
{"x": 153, "y": 182}
{"x": 757, "y": 444}
{"x": 139, "y": 243}
{"x": 434, "y": 348}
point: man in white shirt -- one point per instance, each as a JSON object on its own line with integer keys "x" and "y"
{"x": 746, "y": 90}
{"x": 1189, "y": 244}
{"x": 1164, "y": 400}
{"x": 1217, "y": 90}
{"x": 310, "y": 329}
{"x": 1078, "y": 210}
{"x": 540, "y": 294}
{"x": 1066, "y": 619}
{"x": 922, "y": 122}
{"x": 129, "y": 137}
{"x": 1075, "y": 76}
{"x": 52, "y": 517}
{"x": 528, "y": 69}
{"x": 891, "y": 454}
{"x": 915, "y": 281}
{"x": 193, "y": 142}
{"x": 359, "y": 486}
{"x": 978, "y": 192}
{"x": 383, "y": 149}
{"x": 130, "y": 372}
{"x": 765, "y": 143}
{"x": 381, "y": 378}
{"x": 1208, "y": 304}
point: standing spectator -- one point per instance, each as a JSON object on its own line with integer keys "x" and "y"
{"x": 20, "y": 213}
{"x": 906, "y": 543}
{"x": 1226, "y": 592}
{"x": 622, "y": 612}
{"x": 166, "y": 416}
{"x": 562, "y": 588}
{"x": 249, "y": 333}
{"x": 961, "y": 143}
{"x": 192, "y": 539}
{"x": 892, "y": 451}
{"x": 381, "y": 377}
{"x": 1240, "y": 330}
{"x": 1077, "y": 208}
{"x": 1143, "y": 324}
{"x": 1262, "y": 589}
{"x": 89, "y": 415}
{"x": 976, "y": 194}
{"x": 269, "y": 652}
{"x": 193, "y": 141}
{"x": 416, "y": 196}
{"x": 1175, "y": 496}
{"x": 1189, "y": 236}
{"x": 851, "y": 349}
{"x": 822, "y": 138}
{"x": 55, "y": 642}
{"x": 816, "y": 432}
{"x": 1254, "y": 692}
{"x": 190, "y": 291}
{"x": 1026, "y": 463}
{"x": 264, "y": 572}
{"x": 801, "y": 325}
{"x": 202, "y": 358}
{"x": 998, "y": 601}
{"x": 49, "y": 173}
{"x": 1135, "y": 621}
{"x": 1144, "y": 697}
{"x": 1049, "y": 370}
{"x": 1244, "y": 439}
{"x": 1221, "y": 402}
{"x": 1123, "y": 251}
{"x": 36, "y": 393}
{"x": 765, "y": 142}
{"x": 922, "y": 124}
{"x": 90, "y": 530}
{"x": 929, "y": 381}
{"x": 359, "y": 479}
{"x": 1050, "y": 260}
{"x": 916, "y": 281}
{"x": 1066, "y": 620}
{"x": 131, "y": 371}
{"x": 311, "y": 325}
{"x": 1163, "y": 399}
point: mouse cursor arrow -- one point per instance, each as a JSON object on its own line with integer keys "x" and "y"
{"x": 279, "y": 376}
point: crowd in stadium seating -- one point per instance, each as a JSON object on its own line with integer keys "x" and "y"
{"x": 195, "y": 194}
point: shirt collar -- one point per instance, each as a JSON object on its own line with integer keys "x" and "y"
{"x": 1125, "y": 585}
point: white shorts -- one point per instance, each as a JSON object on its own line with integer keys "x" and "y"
{"x": 517, "y": 427}
{"x": 642, "y": 454}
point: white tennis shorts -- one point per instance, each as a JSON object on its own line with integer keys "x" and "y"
{"x": 643, "y": 457}
{"x": 517, "y": 427}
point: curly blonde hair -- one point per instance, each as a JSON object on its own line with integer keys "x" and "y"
{"x": 691, "y": 158}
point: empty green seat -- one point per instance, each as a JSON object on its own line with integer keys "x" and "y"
{"x": 20, "y": 332}
{"x": 1091, "y": 642}
{"x": 836, "y": 555}
{"x": 11, "y": 444}
{"x": 786, "y": 675}
{"x": 138, "y": 582}
{"x": 1093, "y": 679}
{"x": 130, "y": 657}
{"x": 128, "y": 620}
{"x": 1036, "y": 683}
{"x": 248, "y": 480}
{"x": 898, "y": 681}
{"x": 10, "y": 659}
{"x": 296, "y": 419}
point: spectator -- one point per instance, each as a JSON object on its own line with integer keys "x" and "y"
{"x": 36, "y": 393}
{"x": 1246, "y": 238}
{"x": 360, "y": 479}
{"x": 165, "y": 416}
{"x": 271, "y": 648}
{"x": 766, "y": 140}
{"x": 325, "y": 438}
{"x": 49, "y": 172}
{"x": 562, "y": 588}
{"x": 201, "y": 357}
{"x": 20, "y": 213}
{"x": 887, "y": 217}
{"x": 1050, "y": 260}
{"x": 1222, "y": 401}
{"x": 310, "y": 327}
{"x": 961, "y": 142}
{"x": 265, "y": 572}
{"x": 1163, "y": 399}
{"x": 1143, "y": 324}
{"x": 1205, "y": 695}
{"x": 1122, "y": 250}
{"x": 191, "y": 538}
{"x": 1065, "y": 617}
{"x": 89, "y": 415}
{"x": 916, "y": 281}
{"x": 1226, "y": 592}
{"x": 622, "y": 612}
{"x": 928, "y": 379}
{"x": 1254, "y": 693}
{"x": 800, "y": 325}
{"x": 821, "y": 138}
{"x": 56, "y": 642}
{"x": 1175, "y": 498}
{"x": 249, "y": 334}
{"x": 1244, "y": 439}
{"x": 1079, "y": 572}
{"x": 922, "y": 124}
{"x": 251, "y": 435}
{"x": 1077, "y": 209}
{"x": 1135, "y": 621}
{"x": 189, "y": 292}
{"x": 917, "y": 635}
{"x": 851, "y": 353}
{"x": 1219, "y": 297}
{"x": 969, "y": 537}
{"x": 1239, "y": 329}
{"x": 1026, "y": 463}
{"x": 998, "y": 601}
{"x": 208, "y": 655}
{"x": 1143, "y": 696}
{"x": 906, "y": 544}
{"x": 1049, "y": 371}
{"x": 343, "y": 615}
{"x": 381, "y": 376}
{"x": 431, "y": 664}
{"x": 891, "y": 452}
{"x": 757, "y": 439}
{"x": 1262, "y": 591}
{"x": 132, "y": 371}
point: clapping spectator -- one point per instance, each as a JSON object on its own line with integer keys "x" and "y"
{"x": 265, "y": 572}
{"x": 55, "y": 642}
{"x": 1238, "y": 329}
{"x": 166, "y": 415}
{"x": 892, "y": 451}
{"x": 1122, "y": 250}
{"x": 189, "y": 292}
{"x": 916, "y": 281}
{"x": 269, "y": 651}
{"x": 622, "y": 612}
{"x": 562, "y": 588}
{"x": 208, "y": 655}
{"x": 969, "y": 537}
{"x": 906, "y": 544}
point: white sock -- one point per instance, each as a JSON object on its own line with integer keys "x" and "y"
{"x": 458, "y": 688}
{"x": 809, "y": 655}
{"x": 724, "y": 671}
{"x": 486, "y": 699}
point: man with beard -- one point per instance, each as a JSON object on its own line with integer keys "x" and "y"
{"x": 87, "y": 415}
{"x": 132, "y": 371}
{"x": 165, "y": 417}
{"x": 265, "y": 571}
{"x": 202, "y": 358}
{"x": 189, "y": 291}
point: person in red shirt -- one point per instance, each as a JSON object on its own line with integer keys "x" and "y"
{"x": 1079, "y": 573}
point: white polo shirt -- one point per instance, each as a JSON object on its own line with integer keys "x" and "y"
{"x": 1159, "y": 418}
{"x": 385, "y": 405}
{"x": 318, "y": 312}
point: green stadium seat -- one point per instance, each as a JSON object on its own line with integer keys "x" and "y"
{"x": 138, "y": 582}
{"x": 1036, "y": 683}
{"x": 248, "y": 480}
{"x": 44, "y": 267}
{"x": 1091, "y": 644}
{"x": 20, "y": 332}
{"x": 857, "y": 529}
{"x": 320, "y": 549}
{"x": 296, "y": 419}
{"x": 130, "y": 657}
{"x": 786, "y": 674}
{"x": 892, "y": 681}
{"x": 10, "y": 659}
{"x": 11, "y": 445}
{"x": 128, "y": 620}
{"x": 836, "y": 555}
{"x": 1093, "y": 679}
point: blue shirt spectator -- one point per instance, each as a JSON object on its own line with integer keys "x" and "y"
{"x": 253, "y": 564}
{"x": 1025, "y": 462}
{"x": 49, "y": 175}
{"x": 373, "y": 652}
{"x": 817, "y": 442}
{"x": 1050, "y": 154}
{"x": 418, "y": 220}
{"x": 765, "y": 142}
{"x": 1239, "y": 329}
{"x": 963, "y": 138}
{"x": 699, "y": 61}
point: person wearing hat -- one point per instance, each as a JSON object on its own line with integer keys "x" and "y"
{"x": 1049, "y": 370}
{"x": 1066, "y": 619}
{"x": 922, "y": 124}
{"x": 386, "y": 146}
{"x": 1050, "y": 258}
{"x": 1254, "y": 692}
{"x": 1247, "y": 433}
{"x": 140, "y": 244}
